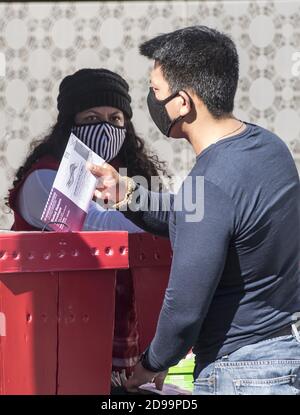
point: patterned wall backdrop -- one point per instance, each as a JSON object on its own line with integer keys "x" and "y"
{"x": 40, "y": 43}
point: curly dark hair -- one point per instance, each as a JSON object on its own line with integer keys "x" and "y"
{"x": 132, "y": 155}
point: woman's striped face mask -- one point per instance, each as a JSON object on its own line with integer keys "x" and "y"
{"x": 103, "y": 138}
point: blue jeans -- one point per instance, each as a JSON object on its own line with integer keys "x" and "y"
{"x": 269, "y": 367}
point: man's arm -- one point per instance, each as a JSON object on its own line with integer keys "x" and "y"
{"x": 199, "y": 256}
{"x": 101, "y": 219}
{"x": 150, "y": 211}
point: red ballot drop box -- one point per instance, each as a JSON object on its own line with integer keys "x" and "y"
{"x": 57, "y": 303}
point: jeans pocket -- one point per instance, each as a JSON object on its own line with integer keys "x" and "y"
{"x": 281, "y": 385}
{"x": 204, "y": 386}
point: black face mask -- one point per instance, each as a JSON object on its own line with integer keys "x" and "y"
{"x": 159, "y": 113}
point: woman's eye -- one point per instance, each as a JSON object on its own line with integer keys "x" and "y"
{"x": 92, "y": 118}
{"x": 116, "y": 118}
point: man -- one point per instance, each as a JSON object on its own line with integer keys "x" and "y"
{"x": 233, "y": 292}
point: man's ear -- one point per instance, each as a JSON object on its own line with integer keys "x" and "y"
{"x": 187, "y": 104}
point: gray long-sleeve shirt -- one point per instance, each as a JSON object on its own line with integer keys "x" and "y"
{"x": 235, "y": 272}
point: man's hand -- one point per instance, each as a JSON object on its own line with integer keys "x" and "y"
{"x": 141, "y": 376}
{"x": 111, "y": 185}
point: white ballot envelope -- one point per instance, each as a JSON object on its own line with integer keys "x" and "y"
{"x": 73, "y": 188}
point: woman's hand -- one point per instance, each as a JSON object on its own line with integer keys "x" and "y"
{"x": 111, "y": 186}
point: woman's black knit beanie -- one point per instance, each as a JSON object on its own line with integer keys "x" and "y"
{"x": 88, "y": 88}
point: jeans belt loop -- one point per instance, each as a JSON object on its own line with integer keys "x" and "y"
{"x": 295, "y": 330}
{"x": 295, "y": 325}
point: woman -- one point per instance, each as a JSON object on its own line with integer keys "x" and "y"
{"x": 95, "y": 105}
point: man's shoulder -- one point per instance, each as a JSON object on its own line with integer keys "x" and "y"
{"x": 247, "y": 150}
{"x": 246, "y": 161}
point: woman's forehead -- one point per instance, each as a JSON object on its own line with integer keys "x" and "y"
{"x": 102, "y": 110}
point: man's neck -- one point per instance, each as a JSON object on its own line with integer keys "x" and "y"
{"x": 206, "y": 131}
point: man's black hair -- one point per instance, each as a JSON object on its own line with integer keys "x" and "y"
{"x": 201, "y": 59}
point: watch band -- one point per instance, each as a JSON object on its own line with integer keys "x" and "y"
{"x": 145, "y": 362}
{"x": 131, "y": 186}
